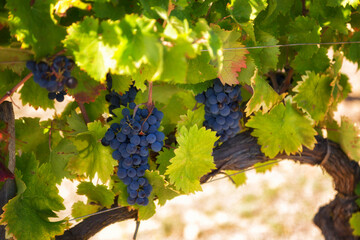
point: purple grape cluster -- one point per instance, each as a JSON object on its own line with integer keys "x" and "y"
{"x": 54, "y": 77}
{"x": 131, "y": 140}
{"x": 115, "y": 99}
{"x": 222, "y": 109}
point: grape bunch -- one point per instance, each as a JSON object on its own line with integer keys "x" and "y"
{"x": 131, "y": 140}
{"x": 222, "y": 109}
{"x": 115, "y": 99}
{"x": 54, "y": 77}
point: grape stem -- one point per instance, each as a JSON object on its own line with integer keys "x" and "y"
{"x": 83, "y": 112}
{"x": 14, "y": 89}
{"x": 286, "y": 83}
{"x": 150, "y": 104}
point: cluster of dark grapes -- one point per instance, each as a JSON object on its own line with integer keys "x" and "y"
{"x": 115, "y": 99}
{"x": 222, "y": 109}
{"x": 54, "y": 77}
{"x": 131, "y": 140}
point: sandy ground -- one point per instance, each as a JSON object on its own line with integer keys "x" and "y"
{"x": 276, "y": 205}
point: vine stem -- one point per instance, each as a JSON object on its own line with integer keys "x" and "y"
{"x": 149, "y": 103}
{"x": 83, "y": 112}
{"x": 14, "y": 89}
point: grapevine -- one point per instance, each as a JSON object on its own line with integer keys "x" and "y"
{"x": 222, "y": 109}
{"x": 265, "y": 78}
{"x": 54, "y": 77}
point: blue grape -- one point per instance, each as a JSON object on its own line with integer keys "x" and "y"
{"x": 223, "y": 115}
{"x": 156, "y": 146}
{"x": 122, "y": 173}
{"x": 109, "y": 135}
{"x": 151, "y": 138}
{"x": 131, "y": 172}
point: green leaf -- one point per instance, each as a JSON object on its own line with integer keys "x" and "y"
{"x": 305, "y": 30}
{"x": 347, "y": 135}
{"x": 32, "y": 137}
{"x": 161, "y": 188}
{"x": 247, "y": 73}
{"x": 282, "y": 129}
{"x": 20, "y": 218}
{"x": 92, "y": 52}
{"x": 265, "y": 58}
{"x": 34, "y": 205}
{"x": 63, "y": 5}
{"x": 80, "y": 209}
{"x": 121, "y": 83}
{"x": 317, "y": 63}
{"x": 195, "y": 117}
{"x": 99, "y": 193}
{"x": 232, "y": 60}
{"x": 30, "y": 22}
{"x": 8, "y": 80}
{"x": 35, "y": 95}
{"x": 264, "y": 96}
{"x": 87, "y": 89}
{"x": 238, "y": 178}
{"x": 192, "y": 159}
{"x": 17, "y": 55}
{"x": 200, "y": 69}
{"x": 93, "y": 157}
{"x": 263, "y": 167}
{"x": 355, "y": 223}
{"x": 163, "y": 159}
{"x": 353, "y": 54}
{"x": 313, "y": 94}
{"x": 59, "y": 158}
{"x": 240, "y": 10}
{"x": 76, "y": 122}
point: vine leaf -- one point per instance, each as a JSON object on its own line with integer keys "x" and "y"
{"x": 192, "y": 159}
{"x": 99, "y": 193}
{"x": 27, "y": 130}
{"x": 93, "y": 157}
{"x": 191, "y": 118}
{"x": 233, "y": 60}
{"x": 347, "y": 135}
{"x": 76, "y": 123}
{"x": 35, "y": 203}
{"x": 87, "y": 89}
{"x": 161, "y": 188}
{"x": 63, "y": 5}
{"x": 305, "y": 30}
{"x": 28, "y": 23}
{"x": 59, "y": 158}
{"x": 238, "y": 179}
{"x": 313, "y": 94}
{"x": 14, "y": 55}
{"x": 91, "y": 51}
{"x": 163, "y": 159}
{"x": 264, "y": 96}
{"x": 80, "y": 209}
{"x": 282, "y": 129}
{"x": 36, "y": 96}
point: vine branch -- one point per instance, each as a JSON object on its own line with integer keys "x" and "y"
{"x": 242, "y": 152}
{"x": 14, "y": 89}
{"x": 84, "y": 112}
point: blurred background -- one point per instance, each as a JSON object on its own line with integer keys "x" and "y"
{"x": 278, "y": 204}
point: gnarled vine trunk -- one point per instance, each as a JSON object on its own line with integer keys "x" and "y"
{"x": 242, "y": 152}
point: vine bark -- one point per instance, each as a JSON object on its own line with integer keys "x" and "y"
{"x": 242, "y": 152}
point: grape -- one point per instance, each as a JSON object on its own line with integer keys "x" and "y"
{"x": 131, "y": 148}
{"x": 222, "y": 115}
{"x": 131, "y": 201}
{"x": 156, "y": 146}
{"x": 53, "y": 77}
{"x": 151, "y": 138}
{"x": 71, "y": 82}
{"x": 122, "y": 173}
{"x": 52, "y": 95}
{"x": 109, "y": 135}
